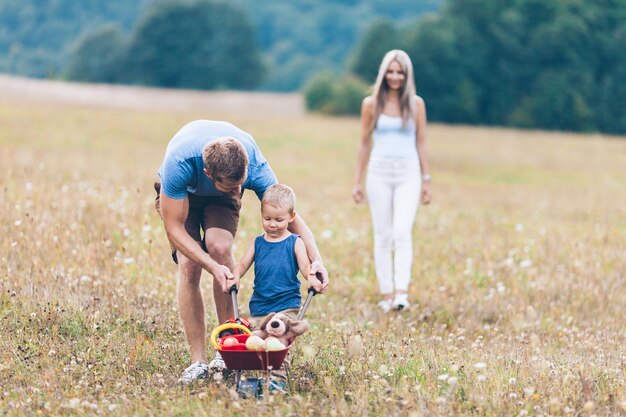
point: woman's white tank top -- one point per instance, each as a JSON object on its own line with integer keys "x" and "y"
{"x": 391, "y": 140}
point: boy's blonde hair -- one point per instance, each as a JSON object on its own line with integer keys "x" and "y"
{"x": 225, "y": 159}
{"x": 280, "y": 195}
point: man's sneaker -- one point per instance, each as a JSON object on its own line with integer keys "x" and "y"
{"x": 217, "y": 364}
{"x": 401, "y": 301}
{"x": 196, "y": 372}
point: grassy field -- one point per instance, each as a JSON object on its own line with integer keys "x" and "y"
{"x": 519, "y": 272}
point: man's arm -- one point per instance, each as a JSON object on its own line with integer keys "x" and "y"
{"x": 174, "y": 213}
{"x": 299, "y": 227}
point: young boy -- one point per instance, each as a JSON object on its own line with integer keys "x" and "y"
{"x": 278, "y": 255}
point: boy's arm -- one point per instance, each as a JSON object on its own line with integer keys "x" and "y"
{"x": 242, "y": 266}
{"x": 305, "y": 266}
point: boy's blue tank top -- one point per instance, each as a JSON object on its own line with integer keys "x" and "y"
{"x": 276, "y": 283}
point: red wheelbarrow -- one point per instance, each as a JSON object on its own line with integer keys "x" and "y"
{"x": 237, "y": 358}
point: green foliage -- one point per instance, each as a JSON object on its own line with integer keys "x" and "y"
{"x": 323, "y": 32}
{"x": 319, "y": 90}
{"x": 330, "y": 94}
{"x": 97, "y": 55}
{"x": 378, "y": 38}
{"x": 555, "y": 64}
{"x": 199, "y": 44}
{"x": 36, "y": 37}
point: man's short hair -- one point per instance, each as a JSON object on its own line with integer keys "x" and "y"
{"x": 280, "y": 195}
{"x": 225, "y": 159}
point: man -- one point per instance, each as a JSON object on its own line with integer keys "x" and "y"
{"x": 207, "y": 166}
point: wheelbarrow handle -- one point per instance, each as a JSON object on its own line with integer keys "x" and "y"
{"x": 233, "y": 295}
{"x": 309, "y": 297}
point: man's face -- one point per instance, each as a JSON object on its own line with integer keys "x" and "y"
{"x": 227, "y": 186}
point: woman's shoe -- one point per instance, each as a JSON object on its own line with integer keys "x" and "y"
{"x": 385, "y": 306}
{"x": 401, "y": 302}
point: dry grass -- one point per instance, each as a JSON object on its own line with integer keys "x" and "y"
{"x": 519, "y": 273}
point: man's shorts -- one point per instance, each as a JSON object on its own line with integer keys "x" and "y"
{"x": 206, "y": 212}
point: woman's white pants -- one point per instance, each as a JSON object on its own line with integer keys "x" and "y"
{"x": 393, "y": 191}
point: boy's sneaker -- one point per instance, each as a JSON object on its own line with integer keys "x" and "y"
{"x": 278, "y": 386}
{"x": 401, "y": 301}
{"x": 217, "y": 364}
{"x": 196, "y": 372}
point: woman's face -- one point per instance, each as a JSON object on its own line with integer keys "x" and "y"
{"x": 395, "y": 76}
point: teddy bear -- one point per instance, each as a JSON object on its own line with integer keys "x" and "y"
{"x": 282, "y": 327}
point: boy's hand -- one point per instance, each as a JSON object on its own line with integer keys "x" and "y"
{"x": 234, "y": 280}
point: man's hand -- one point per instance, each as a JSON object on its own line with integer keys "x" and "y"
{"x": 230, "y": 282}
{"x": 222, "y": 274}
{"x": 319, "y": 272}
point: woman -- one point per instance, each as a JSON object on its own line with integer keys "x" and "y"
{"x": 393, "y": 138}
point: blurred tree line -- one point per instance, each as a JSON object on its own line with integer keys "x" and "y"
{"x": 552, "y": 64}
{"x": 87, "y": 39}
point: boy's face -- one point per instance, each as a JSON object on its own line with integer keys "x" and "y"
{"x": 275, "y": 220}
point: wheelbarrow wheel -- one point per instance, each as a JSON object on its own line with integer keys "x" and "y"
{"x": 251, "y": 387}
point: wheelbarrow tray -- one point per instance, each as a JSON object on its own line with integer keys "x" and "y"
{"x": 237, "y": 358}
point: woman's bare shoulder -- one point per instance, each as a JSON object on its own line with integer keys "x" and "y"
{"x": 368, "y": 104}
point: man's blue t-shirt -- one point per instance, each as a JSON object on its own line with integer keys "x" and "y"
{"x": 182, "y": 170}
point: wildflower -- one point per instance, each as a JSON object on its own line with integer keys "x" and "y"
{"x": 308, "y": 351}
{"x": 529, "y": 391}
{"x": 525, "y": 263}
{"x": 443, "y": 377}
{"x": 452, "y": 381}
{"x": 480, "y": 365}
{"x": 588, "y": 406}
{"x": 481, "y": 378}
{"x": 327, "y": 234}
{"x": 73, "y": 403}
{"x": 512, "y": 381}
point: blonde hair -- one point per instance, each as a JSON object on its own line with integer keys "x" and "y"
{"x": 225, "y": 159}
{"x": 280, "y": 195}
{"x": 380, "y": 91}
